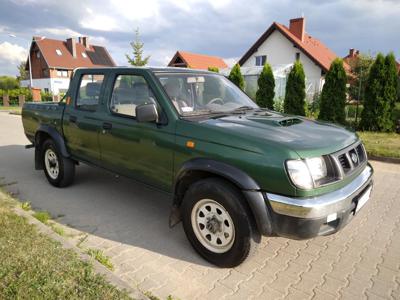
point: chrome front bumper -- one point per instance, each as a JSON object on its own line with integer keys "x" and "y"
{"x": 324, "y": 205}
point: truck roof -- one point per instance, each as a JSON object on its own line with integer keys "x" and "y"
{"x": 153, "y": 69}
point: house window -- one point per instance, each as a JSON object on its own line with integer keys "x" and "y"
{"x": 261, "y": 60}
{"x": 84, "y": 55}
{"x": 297, "y": 55}
{"x": 62, "y": 73}
{"x": 58, "y": 51}
{"x": 37, "y": 54}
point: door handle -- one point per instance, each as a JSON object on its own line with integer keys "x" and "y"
{"x": 73, "y": 119}
{"x": 107, "y": 126}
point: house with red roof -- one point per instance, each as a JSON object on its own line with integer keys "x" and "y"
{"x": 191, "y": 60}
{"x": 54, "y": 60}
{"x": 280, "y": 45}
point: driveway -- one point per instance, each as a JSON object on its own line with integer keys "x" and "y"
{"x": 130, "y": 223}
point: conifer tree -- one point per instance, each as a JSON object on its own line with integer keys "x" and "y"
{"x": 236, "y": 76}
{"x": 295, "y": 91}
{"x": 137, "y": 51}
{"x": 266, "y": 88}
{"x": 333, "y": 96}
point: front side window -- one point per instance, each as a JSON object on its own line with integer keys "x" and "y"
{"x": 195, "y": 94}
{"x": 130, "y": 91}
{"x": 89, "y": 92}
{"x": 261, "y": 60}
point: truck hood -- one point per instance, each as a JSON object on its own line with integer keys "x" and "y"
{"x": 306, "y": 137}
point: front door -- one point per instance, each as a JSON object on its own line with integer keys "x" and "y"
{"x": 143, "y": 151}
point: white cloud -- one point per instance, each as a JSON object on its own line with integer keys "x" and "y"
{"x": 100, "y": 22}
{"x": 59, "y": 32}
{"x": 12, "y": 53}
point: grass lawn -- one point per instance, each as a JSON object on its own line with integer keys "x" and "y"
{"x": 381, "y": 144}
{"x": 12, "y": 109}
{"x": 33, "y": 266}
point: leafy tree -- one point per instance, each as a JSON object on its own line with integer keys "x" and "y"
{"x": 266, "y": 88}
{"x": 236, "y": 76}
{"x": 23, "y": 74}
{"x": 295, "y": 91}
{"x": 376, "y": 115}
{"x": 8, "y": 83}
{"x": 137, "y": 51}
{"x": 213, "y": 69}
{"x": 359, "y": 69}
{"x": 333, "y": 96}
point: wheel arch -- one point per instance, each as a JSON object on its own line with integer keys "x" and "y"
{"x": 200, "y": 168}
{"x": 43, "y": 133}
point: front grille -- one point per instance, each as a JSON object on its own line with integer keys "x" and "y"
{"x": 344, "y": 162}
{"x": 350, "y": 159}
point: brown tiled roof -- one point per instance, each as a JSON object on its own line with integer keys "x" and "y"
{"x": 199, "y": 61}
{"x": 312, "y": 47}
{"x": 48, "y": 49}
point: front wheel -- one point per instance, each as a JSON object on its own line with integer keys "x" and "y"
{"x": 59, "y": 170}
{"x": 218, "y": 223}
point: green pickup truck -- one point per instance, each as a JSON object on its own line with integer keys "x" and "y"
{"x": 235, "y": 172}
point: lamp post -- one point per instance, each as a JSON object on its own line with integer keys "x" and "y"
{"x": 29, "y": 58}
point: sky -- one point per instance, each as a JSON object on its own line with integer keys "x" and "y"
{"x": 225, "y": 28}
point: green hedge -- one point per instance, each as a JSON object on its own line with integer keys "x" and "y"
{"x": 14, "y": 93}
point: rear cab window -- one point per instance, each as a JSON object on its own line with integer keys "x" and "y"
{"x": 89, "y": 90}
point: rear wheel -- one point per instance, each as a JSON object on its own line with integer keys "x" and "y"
{"x": 217, "y": 222}
{"x": 59, "y": 170}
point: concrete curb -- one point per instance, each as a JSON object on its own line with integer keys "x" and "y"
{"x": 391, "y": 160}
{"x": 98, "y": 267}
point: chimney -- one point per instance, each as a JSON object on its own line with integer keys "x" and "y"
{"x": 297, "y": 27}
{"x": 351, "y": 52}
{"x": 71, "y": 46}
{"x": 84, "y": 40}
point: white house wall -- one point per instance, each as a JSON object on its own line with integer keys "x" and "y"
{"x": 280, "y": 51}
{"x": 53, "y": 85}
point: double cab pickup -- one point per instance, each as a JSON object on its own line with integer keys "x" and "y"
{"x": 235, "y": 172}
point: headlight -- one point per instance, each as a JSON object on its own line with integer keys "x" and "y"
{"x": 306, "y": 174}
{"x": 317, "y": 167}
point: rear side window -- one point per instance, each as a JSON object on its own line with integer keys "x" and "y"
{"x": 89, "y": 92}
{"x": 130, "y": 91}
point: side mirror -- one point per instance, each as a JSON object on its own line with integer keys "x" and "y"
{"x": 146, "y": 113}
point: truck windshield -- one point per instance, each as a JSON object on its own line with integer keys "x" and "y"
{"x": 196, "y": 94}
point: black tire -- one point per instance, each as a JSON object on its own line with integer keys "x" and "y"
{"x": 66, "y": 166}
{"x": 246, "y": 237}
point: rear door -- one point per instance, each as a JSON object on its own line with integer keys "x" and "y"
{"x": 143, "y": 151}
{"x": 81, "y": 123}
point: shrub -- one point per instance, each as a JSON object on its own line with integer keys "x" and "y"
{"x": 266, "y": 88}
{"x": 295, "y": 91}
{"x": 333, "y": 96}
{"x": 236, "y": 76}
{"x": 213, "y": 69}
{"x": 278, "y": 104}
{"x": 46, "y": 96}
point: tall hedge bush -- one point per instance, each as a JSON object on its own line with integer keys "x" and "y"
{"x": 380, "y": 95}
{"x": 295, "y": 91}
{"x": 333, "y": 96}
{"x": 236, "y": 76}
{"x": 266, "y": 88}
